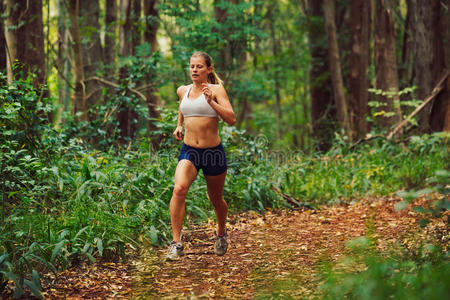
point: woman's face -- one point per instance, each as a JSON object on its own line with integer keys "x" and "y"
{"x": 198, "y": 69}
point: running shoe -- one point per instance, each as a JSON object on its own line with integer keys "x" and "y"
{"x": 175, "y": 251}
{"x": 221, "y": 244}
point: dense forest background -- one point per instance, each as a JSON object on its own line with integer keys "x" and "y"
{"x": 337, "y": 101}
{"x": 296, "y": 71}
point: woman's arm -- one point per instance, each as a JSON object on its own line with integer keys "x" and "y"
{"x": 222, "y": 104}
{"x": 178, "y": 133}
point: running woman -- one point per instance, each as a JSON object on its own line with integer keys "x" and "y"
{"x": 201, "y": 105}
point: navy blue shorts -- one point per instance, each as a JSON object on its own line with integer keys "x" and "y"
{"x": 212, "y": 161}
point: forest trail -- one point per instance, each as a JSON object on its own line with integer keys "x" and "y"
{"x": 276, "y": 254}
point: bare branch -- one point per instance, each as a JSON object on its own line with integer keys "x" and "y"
{"x": 113, "y": 84}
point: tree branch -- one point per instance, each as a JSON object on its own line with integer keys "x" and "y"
{"x": 434, "y": 93}
{"x": 113, "y": 84}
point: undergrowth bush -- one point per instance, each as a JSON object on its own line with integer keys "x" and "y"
{"x": 366, "y": 274}
{"x": 378, "y": 168}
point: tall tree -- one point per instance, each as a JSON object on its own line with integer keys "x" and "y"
{"x": 79, "y": 104}
{"x": 127, "y": 115}
{"x": 223, "y": 62}
{"x": 429, "y": 59}
{"x": 335, "y": 67}
{"x": 386, "y": 63}
{"x": 232, "y": 51}
{"x": 136, "y": 32}
{"x": 92, "y": 50}
{"x": 275, "y": 44}
{"x": 445, "y": 25}
{"x": 151, "y": 23}
{"x": 238, "y": 52}
{"x": 24, "y": 36}
{"x": 110, "y": 35}
{"x": 153, "y": 100}
{"x": 125, "y": 28}
{"x": 2, "y": 41}
{"x": 323, "y": 113}
{"x": 359, "y": 64}
{"x": 406, "y": 66}
{"x": 62, "y": 63}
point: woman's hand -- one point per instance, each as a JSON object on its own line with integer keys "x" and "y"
{"x": 178, "y": 133}
{"x": 207, "y": 92}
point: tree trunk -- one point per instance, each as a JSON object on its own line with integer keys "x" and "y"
{"x": 232, "y": 54}
{"x": 25, "y": 42}
{"x": 406, "y": 69}
{"x": 153, "y": 100}
{"x": 63, "y": 60}
{"x": 306, "y": 127}
{"x": 110, "y": 35}
{"x": 386, "y": 64}
{"x": 335, "y": 67}
{"x": 243, "y": 110}
{"x": 445, "y": 106}
{"x": 445, "y": 25}
{"x": 79, "y": 104}
{"x": 272, "y": 10}
{"x": 92, "y": 51}
{"x": 359, "y": 64}
{"x": 429, "y": 62}
{"x": 239, "y": 55}
{"x": 323, "y": 113}
{"x": 224, "y": 61}
{"x": 2, "y": 41}
{"x": 239, "y": 48}
{"x": 125, "y": 28}
{"x": 136, "y": 40}
{"x": 124, "y": 51}
{"x": 10, "y": 36}
{"x": 151, "y": 24}
{"x": 135, "y": 36}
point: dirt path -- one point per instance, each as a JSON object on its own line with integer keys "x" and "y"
{"x": 274, "y": 255}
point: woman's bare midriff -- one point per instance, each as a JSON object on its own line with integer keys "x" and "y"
{"x": 201, "y": 132}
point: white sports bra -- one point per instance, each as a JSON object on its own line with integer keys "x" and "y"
{"x": 198, "y": 107}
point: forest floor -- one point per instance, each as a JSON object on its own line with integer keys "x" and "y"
{"x": 278, "y": 254}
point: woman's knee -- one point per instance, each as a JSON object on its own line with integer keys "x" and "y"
{"x": 180, "y": 190}
{"x": 218, "y": 201}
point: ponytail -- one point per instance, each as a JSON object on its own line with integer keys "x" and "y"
{"x": 212, "y": 77}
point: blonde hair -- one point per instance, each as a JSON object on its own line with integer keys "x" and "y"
{"x": 212, "y": 77}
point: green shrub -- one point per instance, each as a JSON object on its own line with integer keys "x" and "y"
{"x": 370, "y": 169}
{"x": 368, "y": 275}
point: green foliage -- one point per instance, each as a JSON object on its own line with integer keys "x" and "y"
{"x": 23, "y": 123}
{"x": 102, "y": 130}
{"x": 367, "y": 275}
{"x": 379, "y": 109}
{"x": 197, "y": 30}
{"x": 378, "y": 169}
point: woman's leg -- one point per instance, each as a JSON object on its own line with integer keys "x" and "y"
{"x": 215, "y": 186}
{"x": 185, "y": 174}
